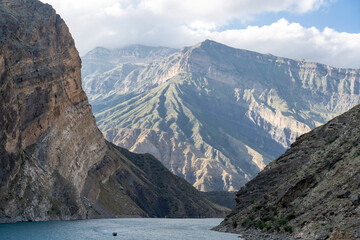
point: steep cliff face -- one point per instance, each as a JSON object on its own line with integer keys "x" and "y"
{"x": 311, "y": 191}
{"x": 54, "y": 162}
{"x": 216, "y": 115}
{"x": 49, "y": 136}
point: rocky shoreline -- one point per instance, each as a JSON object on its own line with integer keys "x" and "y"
{"x": 253, "y": 234}
{"x": 311, "y": 191}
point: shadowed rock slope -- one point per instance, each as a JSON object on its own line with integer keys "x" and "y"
{"x": 216, "y": 115}
{"x": 124, "y": 183}
{"x": 54, "y": 162}
{"x": 311, "y": 191}
{"x": 222, "y": 198}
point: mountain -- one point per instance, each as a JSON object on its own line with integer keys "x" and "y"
{"x": 106, "y": 70}
{"x": 216, "y": 115}
{"x": 128, "y": 184}
{"x": 222, "y": 198}
{"x": 101, "y": 59}
{"x": 54, "y": 162}
{"x": 312, "y": 191}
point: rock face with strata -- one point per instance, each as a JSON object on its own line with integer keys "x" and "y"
{"x": 216, "y": 115}
{"x": 46, "y": 119}
{"x": 312, "y": 191}
{"x": 54, "y": 162}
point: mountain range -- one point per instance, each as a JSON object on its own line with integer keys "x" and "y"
{"x": 212, "y": 114}
{"x": 54, "y": 162}
{"x": 56, "y": 165}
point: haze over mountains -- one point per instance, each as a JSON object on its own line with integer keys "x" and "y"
{"x": 212, "y": 114}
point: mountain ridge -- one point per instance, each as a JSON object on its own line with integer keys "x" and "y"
{"x": 227, "y": 109}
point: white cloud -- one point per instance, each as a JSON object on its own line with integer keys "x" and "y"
{"x": 174, "y": 23}
{"x": 294, "y": 41}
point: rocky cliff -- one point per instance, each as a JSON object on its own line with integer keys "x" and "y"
{"x": 216, "y": 115}
{"x": 54, "y": 162}
{"x": 312, "y": 191}
{"x": 49, "y": 135}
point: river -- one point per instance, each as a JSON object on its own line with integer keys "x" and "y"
{"x": 126, "y": 228}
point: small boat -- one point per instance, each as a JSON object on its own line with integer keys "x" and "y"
{"x": 114, "y": 233}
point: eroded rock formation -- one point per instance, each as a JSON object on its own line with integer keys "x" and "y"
{"x": 213, "y": 114}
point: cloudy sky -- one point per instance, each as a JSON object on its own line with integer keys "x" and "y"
{"x": 325, "y": 31}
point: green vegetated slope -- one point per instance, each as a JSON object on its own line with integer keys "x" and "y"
{"x": 216, "y": 115}
{"x": 311, "y": 191}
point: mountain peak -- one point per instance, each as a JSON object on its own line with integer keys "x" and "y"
{"x": 207, "y": 44}
{"x": 211, "y": 42}
{"x": 216, "y": 50}
{"x": 230, "y": 106}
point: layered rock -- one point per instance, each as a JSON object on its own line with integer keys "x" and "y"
{"x": 54, "y": 162}
{"x": 312, "y": 191}
{"x": 49, "y": 134}
{"x": 216, "y": 115}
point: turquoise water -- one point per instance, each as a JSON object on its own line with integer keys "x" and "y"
{"x": 127, "y": 228}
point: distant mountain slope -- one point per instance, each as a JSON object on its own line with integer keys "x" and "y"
{"x": 106, "y": 71}
{"x": 216, "y": 115}
{"x": 101, "y": 59}
{"x": 54, "y": 162}
{"x": 311, "y": 191}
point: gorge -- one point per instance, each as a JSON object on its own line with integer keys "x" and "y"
{"x": 55, "y": 163}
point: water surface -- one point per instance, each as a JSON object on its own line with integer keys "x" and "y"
{"x": 127, "y": 228}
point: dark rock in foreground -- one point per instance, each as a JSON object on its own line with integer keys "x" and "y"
{"x": 311, "y": 191}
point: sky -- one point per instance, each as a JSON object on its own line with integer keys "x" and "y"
{"x": 325, "y": 31}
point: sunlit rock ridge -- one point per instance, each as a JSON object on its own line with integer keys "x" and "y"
{"x": 213, "y": 114}
{"x": 54, "y": 162}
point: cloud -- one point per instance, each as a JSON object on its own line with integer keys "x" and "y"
{"x": 294, "y": 41}
{"x": 174, "y": 23}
